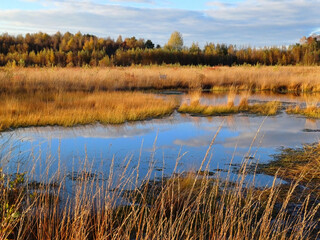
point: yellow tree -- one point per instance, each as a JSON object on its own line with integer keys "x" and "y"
{"x": 175, "y": 41}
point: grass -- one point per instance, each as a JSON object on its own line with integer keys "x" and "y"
{"x": 310, "y": 112}
{"x": 281, "y": 79}
{"x": 41, "y": 108}
{"x": 292, "y": 163}
{"x": 182, "y": 206}
{"x": 269, "y": 108}
{"x": 72, "y": 108}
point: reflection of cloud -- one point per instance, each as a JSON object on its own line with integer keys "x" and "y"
{"x": 194, "y": 142}
{"x": 125, "y": 130}
{"x": 271, "y": 139}
{"x": 96, "y": 131}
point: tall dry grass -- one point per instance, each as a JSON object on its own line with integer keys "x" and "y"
{"x": 183, "y": 206}
{"x": 289, "y": 78}
{"x": 72, "y": 108}
{"x": 195, "y": 107}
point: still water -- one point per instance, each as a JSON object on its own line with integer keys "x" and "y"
{"x": 159, "y": 144}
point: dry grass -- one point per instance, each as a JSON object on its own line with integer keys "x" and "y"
{"x": 289, "y": 78}
{"x": 269, "y": 108}
{"x": 180, "y": 207}
{"x": 311, "y": 110}
{"x": 68, "y": 109}
{"x": 292, "y": 163}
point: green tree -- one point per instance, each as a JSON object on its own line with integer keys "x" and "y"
{"x": 149, "y": 44}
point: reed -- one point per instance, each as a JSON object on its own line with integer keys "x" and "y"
{"x": 282, "y": 79}
{"x": 183, "y": 206}
{"x": 73, "y": 108}
{"x": 269, "y": 108}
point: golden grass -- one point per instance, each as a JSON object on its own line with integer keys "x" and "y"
{"x": 269, "y": 108}
{"x": 310, "y": 112}
{"x": 179, "y": 207}
{"x": 68, "y": 109}
{"x": 286, "y": 78}
{"x": 292, "y": 163}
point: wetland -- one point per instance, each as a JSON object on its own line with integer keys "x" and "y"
{"x": 117, "y": 160}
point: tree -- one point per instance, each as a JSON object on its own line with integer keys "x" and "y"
{"x": 149, "y": 44}
{"x": 195, "y": 48}
{"x": 175, "y": 42}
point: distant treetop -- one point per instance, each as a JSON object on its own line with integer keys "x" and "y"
{"x": 175, "y": 41}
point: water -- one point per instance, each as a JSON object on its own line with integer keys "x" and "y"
{"x": 162, "y": 143}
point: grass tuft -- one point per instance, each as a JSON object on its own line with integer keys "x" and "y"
{"x": 269, "y": 108}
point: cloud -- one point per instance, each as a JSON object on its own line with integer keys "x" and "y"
{"x": 287, "y": 19}
{"x": 133, "y": 1}
{"x": 258, "y": 23}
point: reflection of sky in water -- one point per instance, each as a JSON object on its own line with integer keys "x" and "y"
{"x": 190, "y": 136}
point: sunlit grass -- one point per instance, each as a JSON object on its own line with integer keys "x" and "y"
{"x": 311, "y": 112}
{"x": 69, "y": 109}
{"x": 282, "y": 79}
{"x": 269, "y": 108}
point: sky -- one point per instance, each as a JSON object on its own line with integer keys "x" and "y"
{"x": 240, "y": 22}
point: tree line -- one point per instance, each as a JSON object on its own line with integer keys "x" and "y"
{"x": 42, "y": 49}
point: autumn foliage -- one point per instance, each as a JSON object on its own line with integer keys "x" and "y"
{"x": 41, "y": 49}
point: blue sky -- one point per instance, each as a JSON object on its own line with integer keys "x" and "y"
{"x": 240, "y": 22}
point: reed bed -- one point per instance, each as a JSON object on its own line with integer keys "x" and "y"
{"x": 183, "y": 206}
{"x": 195, "y": 107}
{"x": 72, "y": 108}
{"x": 283, "y": 79}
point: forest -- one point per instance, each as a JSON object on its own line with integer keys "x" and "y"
{"x": 69, "y": 50}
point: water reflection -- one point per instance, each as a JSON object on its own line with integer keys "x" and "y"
{"x": 96, "y": 145}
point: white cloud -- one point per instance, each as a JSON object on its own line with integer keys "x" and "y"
{"x": 263, "y": 22}
{"x": 133, "y": 1}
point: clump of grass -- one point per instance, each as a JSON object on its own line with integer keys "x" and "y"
{"x": 292, "y": 163}
{"x": 311, "y": 110}
{"x": 73, "y": 108}
{"x": 269, "y": 108}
